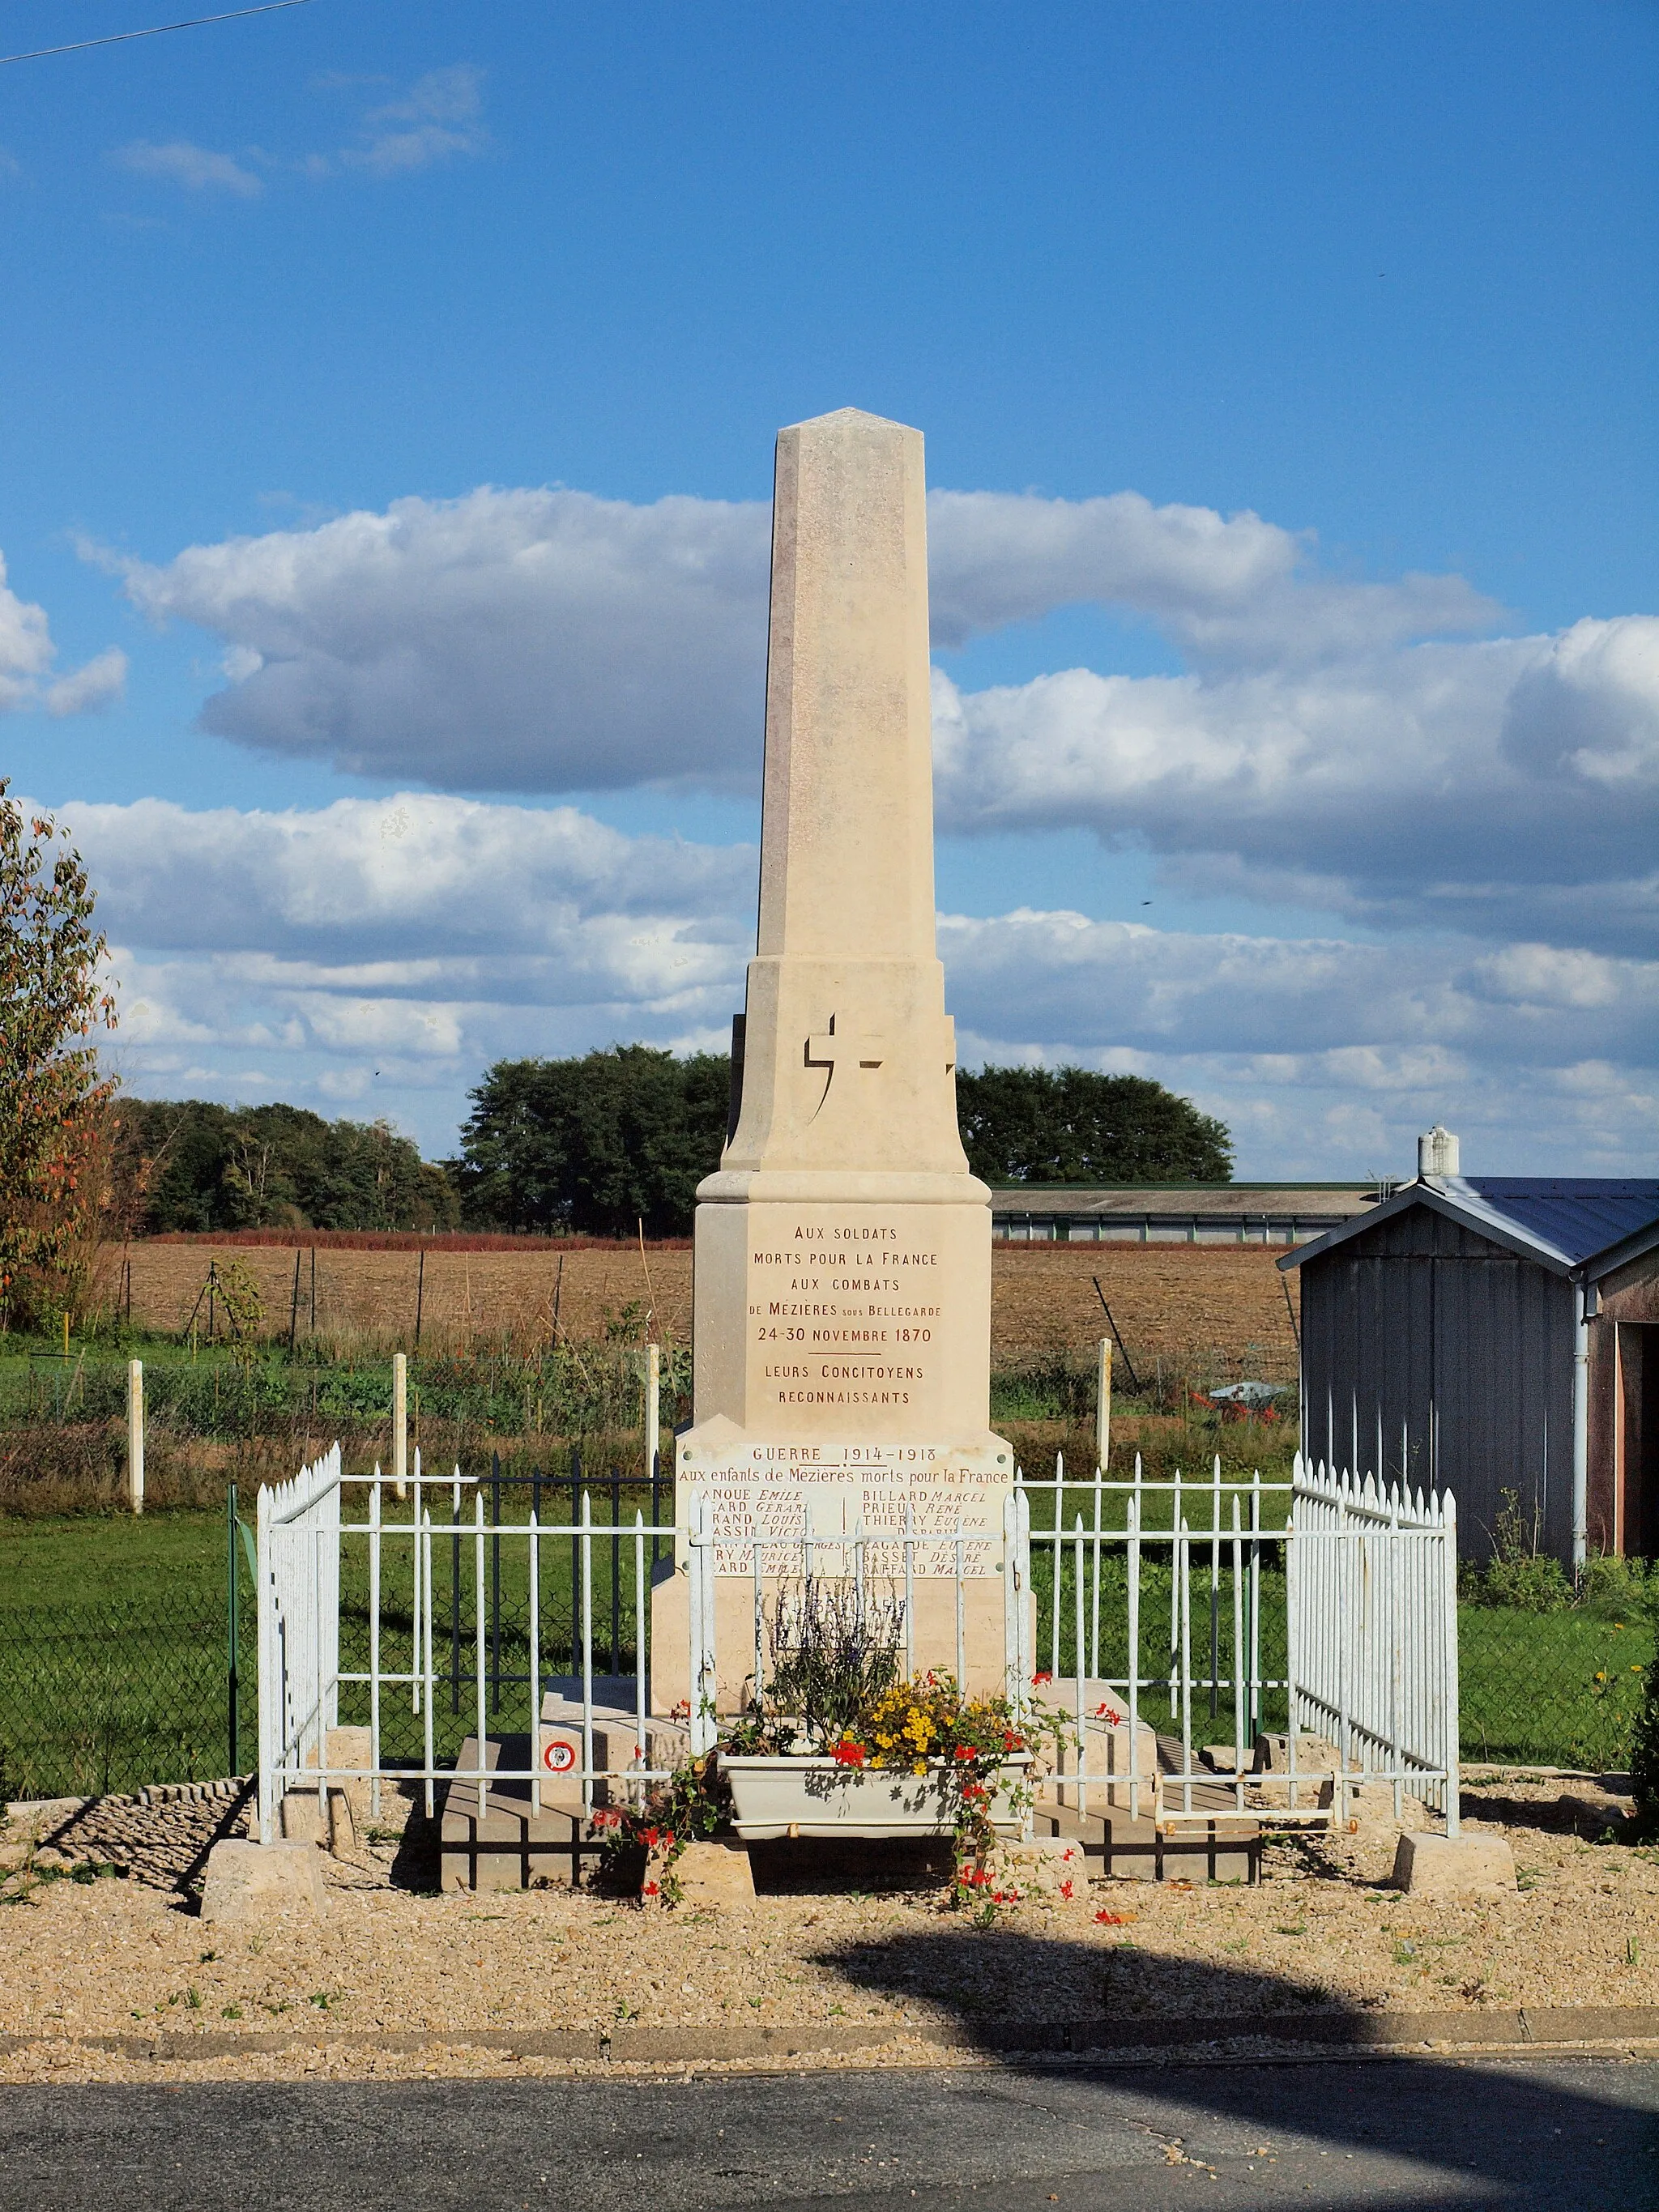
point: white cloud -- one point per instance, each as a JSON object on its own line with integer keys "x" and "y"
{"x": 197, "y": 168}
{"x": 1590, "y": 709}
{"x": 1510, "y": 787}
{"x": 96, "y": 684}
{"x": 26, "y": 647}
{"x": 380, "y": 954}
{"x": 438, "y": 118}
{"x": 527, "y": 640}
{"x": 414, "y": 883}
{"x": 1347, "y": 744}
{"x": 549, "y": 640}
{"x": 26, "y": 653}
{"x": 1236, "y": 588}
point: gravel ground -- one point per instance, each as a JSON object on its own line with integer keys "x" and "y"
{"x": 104, "y": 1953}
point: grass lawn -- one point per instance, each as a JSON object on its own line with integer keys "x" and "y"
{"x": 79, "y": 1562}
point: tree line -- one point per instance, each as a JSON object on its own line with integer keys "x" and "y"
{"x": 604, "y": 1144}
{"x": 191, "y": 1164}
{"x": 624, "y": 1137}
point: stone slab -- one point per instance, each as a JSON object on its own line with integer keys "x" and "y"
{"x": 514, "y": 1845}
{"x": 255, "y": 1882}
{"x": 1454, "y": 1866}
{"x": 1314, "y": 1755}
{"x": 37, "y": 1817}
{"x": 717, "y": 1874}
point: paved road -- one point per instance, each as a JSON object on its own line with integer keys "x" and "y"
{"x": 1372, "y": 2133}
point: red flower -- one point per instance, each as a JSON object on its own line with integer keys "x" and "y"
{"x": 668, "y": 1839}
{"x": 1109, "y": 1714}
{"x": 651, "y": 1890}
{"x": 1037, "y": 1680}
{"x": 1111, "y": 1919}
{"x": 847, "y": 1752}
{"x": 966, "y": 1751}
{"x": 1066, "y": 1890}
{"x": 648, "y": 1838}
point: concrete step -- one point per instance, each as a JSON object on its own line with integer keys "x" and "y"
{"x": 513, "y": 1845}
{"x": 1135, "y": 1849}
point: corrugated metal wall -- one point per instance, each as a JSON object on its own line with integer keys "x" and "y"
{"x": 1427, "y": 1350}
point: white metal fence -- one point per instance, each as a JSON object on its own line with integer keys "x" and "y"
{"x": 298, "y": 1559}
{"x": 1174, "y": 1608}
{"x": 1322, "y": 1604}
{"x": 1372, "y": 1619}
{"x": 301, "y": 1532}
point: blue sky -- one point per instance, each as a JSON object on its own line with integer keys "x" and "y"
{"x": 389, "y": 393}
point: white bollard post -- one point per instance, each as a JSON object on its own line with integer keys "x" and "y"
{"x": 652, "y": 1407}
{"x": 400, "y": 1424}
{"x": 135, "y": 1435}
{"x": 1103, "y": 1403}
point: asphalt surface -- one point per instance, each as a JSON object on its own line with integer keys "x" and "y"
{"x": 1394, "y": 2133}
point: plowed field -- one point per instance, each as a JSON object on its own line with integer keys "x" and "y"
{"x": 1207, "y": 1311}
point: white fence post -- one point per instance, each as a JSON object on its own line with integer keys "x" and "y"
{"x": 652, "y": 1407}
{"x": 704, "y": 1678}
{"x": 401, "y": 1424}
{"x": 1016, "y": 1596}
{"x": 1103, "y": 1405}
{"x": 135, "y": 1435}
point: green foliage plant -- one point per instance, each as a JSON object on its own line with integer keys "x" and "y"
{"x": 642, "y": 1841}
{"x": 53, "y": 1101}
{"x": 836, "y": 1650}
{"x": 1521, "y": 1574}
{"x": 1614, "y": 1587}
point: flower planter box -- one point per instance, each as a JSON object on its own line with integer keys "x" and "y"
{"x": 809, "y": 1796}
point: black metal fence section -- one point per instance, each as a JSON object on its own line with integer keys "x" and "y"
{"x": 555, "y": 1498}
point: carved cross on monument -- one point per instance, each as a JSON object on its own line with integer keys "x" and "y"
{"x": 838, "y": 1045}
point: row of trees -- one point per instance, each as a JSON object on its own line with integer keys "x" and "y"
{"x": 598, "y": 1144}
{"x": 191, "y": 1164}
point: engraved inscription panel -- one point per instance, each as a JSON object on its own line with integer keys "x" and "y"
{"x": 813, "y": 1504}
{"x": 865, "y": 1313}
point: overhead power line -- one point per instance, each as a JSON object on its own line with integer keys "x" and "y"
{"x": 155, "y": 30}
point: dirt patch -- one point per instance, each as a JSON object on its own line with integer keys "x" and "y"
{"x": 105, "y": 1956}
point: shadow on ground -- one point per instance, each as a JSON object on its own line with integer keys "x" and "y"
{"x": 1500, "y": 2127}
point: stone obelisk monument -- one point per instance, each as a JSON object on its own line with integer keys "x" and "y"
{"x": 842, "y": 1274}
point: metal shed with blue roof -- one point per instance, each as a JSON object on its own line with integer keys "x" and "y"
{"x": 1495, "y": 1334}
